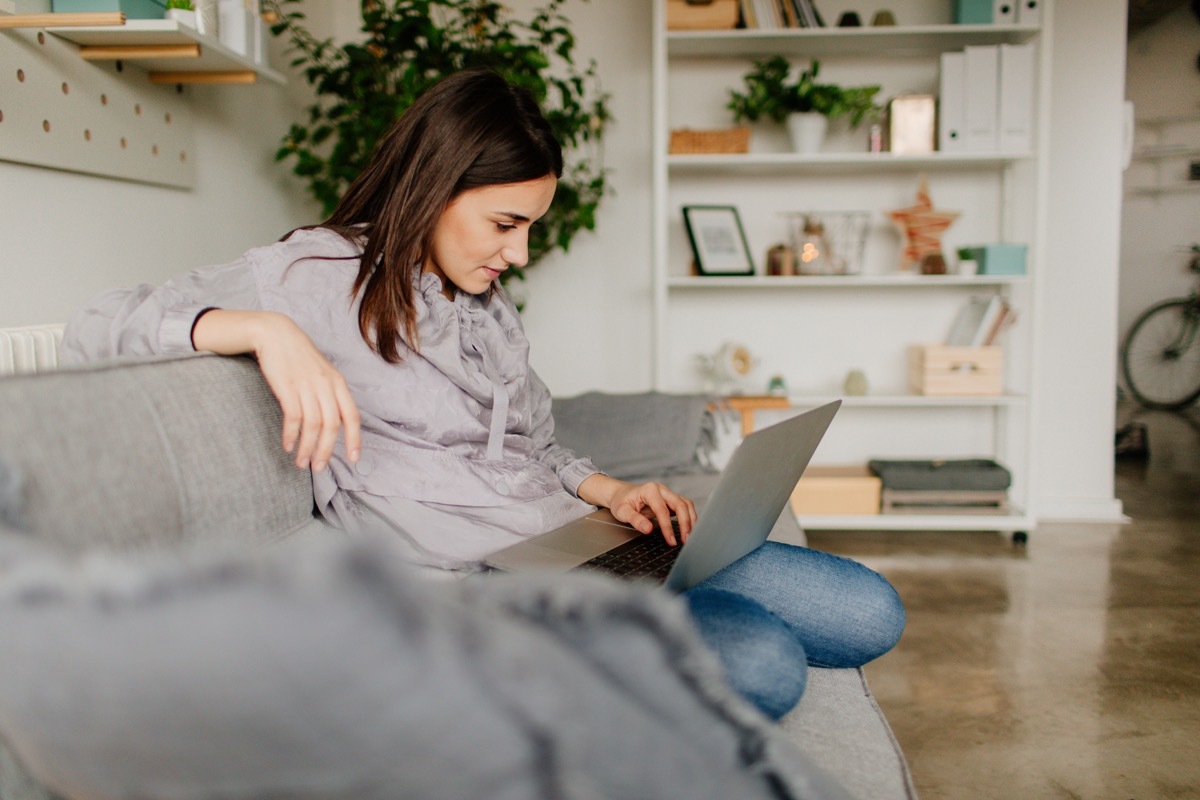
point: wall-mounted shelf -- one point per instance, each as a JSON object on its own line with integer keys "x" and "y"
{"x": 837, "y": 162}
{"x": 841, "y": 281}
{"x": 1169, "y": 188}
{"x": 910, "y": 401}
{"x": 819, "y": 42}
{"x": 1161, "y": 152}
{"x": 168, "y": 51}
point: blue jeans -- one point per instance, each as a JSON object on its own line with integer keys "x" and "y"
{"x": 782, "y": 607}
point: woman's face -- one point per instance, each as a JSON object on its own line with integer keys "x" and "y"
{"x": 484, "y": 231}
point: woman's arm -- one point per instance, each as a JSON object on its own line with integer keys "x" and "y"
{"x": 313, "y": 395}
{"x": 218, "y": 309}
{"x": 640, "y": 505}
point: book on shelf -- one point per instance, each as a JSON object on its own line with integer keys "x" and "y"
{"x": 980, "y": 322}
{"x": 748, "y": 17}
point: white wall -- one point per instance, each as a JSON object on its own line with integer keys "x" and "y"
{"x": 1162, "y": 82}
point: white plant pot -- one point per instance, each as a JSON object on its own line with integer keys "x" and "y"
{"x": 182, "y": 16}
{"x": 207, "y": 16}
{"x": 807, "y": 131}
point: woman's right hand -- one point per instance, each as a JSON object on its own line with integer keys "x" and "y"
{"x": 313, "y": 395}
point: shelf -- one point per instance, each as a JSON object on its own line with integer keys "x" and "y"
{"x": 1173, "y": 188}
{"x": 1161, "y": 122}
{"x": 909, "y": 401}
{"x": 893, "y": 41}
{"x": 918, "y": 522}
{"x": 1160, "y": 152}
{"x": 837, "y": 162}
{"x": 170, "y": 52}
{"x": 841, "y": 281}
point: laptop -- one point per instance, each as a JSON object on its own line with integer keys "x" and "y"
{"x": 750, "y": 494}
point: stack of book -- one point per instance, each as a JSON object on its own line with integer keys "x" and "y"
{"x": 779, "y": 14}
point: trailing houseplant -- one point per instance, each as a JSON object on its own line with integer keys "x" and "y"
{"x": 770, "y": 95}
{"x": 406, "y": 47}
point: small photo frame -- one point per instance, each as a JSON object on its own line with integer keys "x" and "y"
{"x": 718, "y": 241}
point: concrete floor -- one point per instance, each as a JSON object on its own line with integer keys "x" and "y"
{"x": 1066, "y": 669}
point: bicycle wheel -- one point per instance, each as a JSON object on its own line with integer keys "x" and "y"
{"x": 1161, "y": 356}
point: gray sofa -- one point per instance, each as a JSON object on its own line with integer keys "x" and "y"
{"x": 142, "y": 500}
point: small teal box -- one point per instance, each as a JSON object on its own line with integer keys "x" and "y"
{"x": 973, "y": 12}
{"x": 997, "y": 259}
{"x": 134, "y": 9}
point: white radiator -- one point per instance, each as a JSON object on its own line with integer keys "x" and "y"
{"x": 30, "y": 349}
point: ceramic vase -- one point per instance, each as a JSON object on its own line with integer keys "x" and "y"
{"x": 807, "y": 131}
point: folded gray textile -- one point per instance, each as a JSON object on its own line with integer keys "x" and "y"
{"x": 638, "y": 437}
{"x": 328, "y": 670}
{"x": 966, "y": 474}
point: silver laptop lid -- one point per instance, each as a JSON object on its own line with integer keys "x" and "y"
{"x": 750, "y": 495}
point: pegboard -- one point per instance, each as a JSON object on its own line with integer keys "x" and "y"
{"x": 59, "y": 111}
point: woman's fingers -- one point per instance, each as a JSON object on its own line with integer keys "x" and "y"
{"x": 351, "y": 422}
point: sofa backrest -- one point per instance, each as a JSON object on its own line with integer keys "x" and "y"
{"x": 142, "y": 453}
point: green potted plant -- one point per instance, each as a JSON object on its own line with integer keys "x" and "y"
{"x": 407, "y": 46}
{"x": 804, "y": 105}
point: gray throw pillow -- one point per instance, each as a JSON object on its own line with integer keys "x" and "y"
{"x": 326, "y": 670}
{"x": 638, "y": 437}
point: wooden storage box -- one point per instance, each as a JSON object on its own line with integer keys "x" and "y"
{"x": 837, "y": 490}
{"x": 691, "y": 15}
{"x": 722, "y": 140}
{"x": 936, "y": 369}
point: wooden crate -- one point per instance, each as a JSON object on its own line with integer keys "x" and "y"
{"x": 837, "y": 490}
{"x": 935, "y": 369}
{"x": 691, "y": 15}
{"x": 722, "y": 140}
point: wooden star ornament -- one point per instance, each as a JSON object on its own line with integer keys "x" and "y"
{"x": 923, "y": 226}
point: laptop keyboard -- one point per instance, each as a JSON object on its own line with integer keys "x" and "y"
{"x": 647, "y": 557}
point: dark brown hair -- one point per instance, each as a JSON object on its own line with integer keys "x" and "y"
{"x": 469, "y": 130}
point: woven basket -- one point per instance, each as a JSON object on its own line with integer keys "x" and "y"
{"x": 726, "y": 140}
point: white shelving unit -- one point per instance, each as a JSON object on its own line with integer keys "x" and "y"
{"x": 1166, "y": 159}
{"x": 813, "y": 329}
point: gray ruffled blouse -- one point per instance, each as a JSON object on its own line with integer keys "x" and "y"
{"x": 458, "y": 456}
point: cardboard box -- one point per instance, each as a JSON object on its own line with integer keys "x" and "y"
{"x": 134, "y": 9}
{"x": 998, "y": 259}
{"x": 685, "y": 15}
{"x": 936, "y": 369}
{"x": 837, "y": 490}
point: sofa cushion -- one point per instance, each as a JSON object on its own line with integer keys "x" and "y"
{"x": 638, "y": 437}
{"x": 160, "y": 452}
{"x": 327, "y": 670}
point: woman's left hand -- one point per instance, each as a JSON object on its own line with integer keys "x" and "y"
{"x": 642, "y": 505}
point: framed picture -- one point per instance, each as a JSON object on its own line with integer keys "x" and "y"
{"x": 718, "y": 241}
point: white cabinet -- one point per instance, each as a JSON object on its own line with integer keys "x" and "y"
{"x": 813, "y": 330}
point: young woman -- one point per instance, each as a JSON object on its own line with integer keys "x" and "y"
{"x": 385, "y": 328}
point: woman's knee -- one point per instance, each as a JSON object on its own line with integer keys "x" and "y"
{"x": 844, "y": 613}
{"x": 763, "y": 659}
